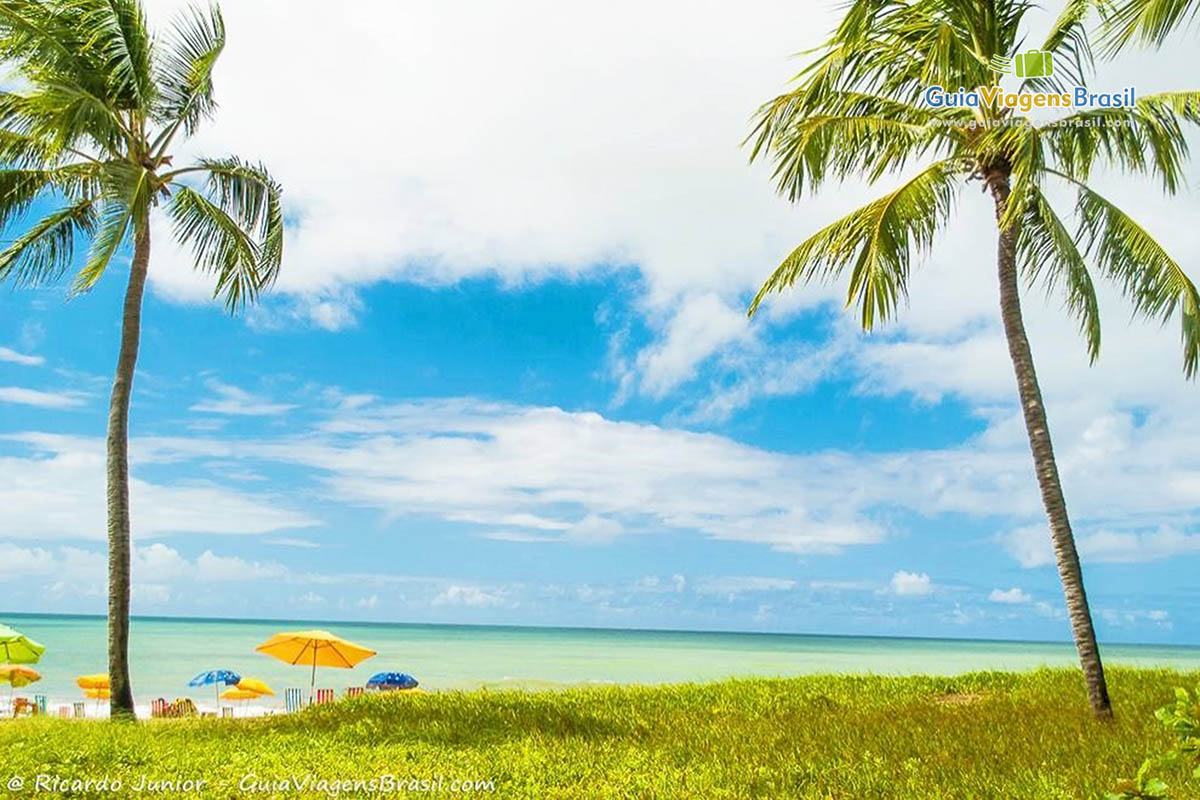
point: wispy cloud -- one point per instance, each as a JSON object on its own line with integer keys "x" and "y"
{"x": 40, "y": 399}
{"x": 13, "y": 357}
{"x": 234, "y": 401}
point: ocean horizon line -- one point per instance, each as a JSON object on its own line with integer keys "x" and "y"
{"x": 584, "y": 628}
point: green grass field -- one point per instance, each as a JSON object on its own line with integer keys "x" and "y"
{"x": 986, "y": 735}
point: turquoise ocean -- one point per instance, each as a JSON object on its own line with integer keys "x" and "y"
{"x": 166, "y": 652}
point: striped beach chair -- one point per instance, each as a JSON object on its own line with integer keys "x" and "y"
{"x": 80, "y": 709}
{"x": 293, "y": 701}
{"x": 158, "y": 708}
{"x": 226, "y": 712}
{"x": 324, "y": 696}
{"x": 39, "y": 700}
{"x": 64, "y": 712}
{"x": 354, "y": 691}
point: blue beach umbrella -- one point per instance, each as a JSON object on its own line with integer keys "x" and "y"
{"x": 216, "y": 677}
{"x": 392, "y": 680}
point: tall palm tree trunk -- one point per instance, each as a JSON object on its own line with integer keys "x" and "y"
{"x": 1069, "y": 569}
{"x": 121, "y": 692}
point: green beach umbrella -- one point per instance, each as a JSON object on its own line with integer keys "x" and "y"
{"x": 17, "y": 648}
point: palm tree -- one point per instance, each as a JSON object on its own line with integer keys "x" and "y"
{"x": 89, "y": 135}
{"x": 858, "y": 110}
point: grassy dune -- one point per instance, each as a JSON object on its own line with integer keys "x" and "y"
{"x": 985, "y": 735}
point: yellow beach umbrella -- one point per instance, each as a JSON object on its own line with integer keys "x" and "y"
{"x": 18, "y": 676}
{"x": 86, "y": 682}
{"x": 256, "y": 686}
{"x": 239, "y": 694}
{"x": 316, "y": 649}
{"x": 99, "y": 693}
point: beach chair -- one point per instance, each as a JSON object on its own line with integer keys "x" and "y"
{"x": 64, "y": 712}
{"x": 324, "y": 696}
{"x": 22, "y": 706}
{"x": 39, "y": 700}
{"x": 227, "y": 712}
{"x": 158, "y": 708}
{"x": 80, "y": 710}
{"x": 354, "y": 691}
{"x": 293, "y": 701}
{"x": 184, "y": 707}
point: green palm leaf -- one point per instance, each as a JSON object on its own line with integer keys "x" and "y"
{"x": 1048, "y": 254}
{"x": 45, "y": 251}
{"x": 1153, "y": 281}
{"x": 875, "y": 242}
{"x": 221, "y": 247}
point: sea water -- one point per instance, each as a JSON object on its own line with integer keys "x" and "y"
{"x": 165, "y": 653}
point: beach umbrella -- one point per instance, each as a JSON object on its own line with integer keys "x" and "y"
{"x": 214, "y": 678}
{"x": 315, "y": 649}
{"x": 98, "y": 693}
{"x": 256, "y": 686}
{"x": 86, "y": 682}
{"x": 17, "y": 676}
{"x": 392, "y": 680}
{"x": 17, "y": 648}
{"x": 244, "y": 695}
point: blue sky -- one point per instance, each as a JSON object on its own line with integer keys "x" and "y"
{"x": 508, "y": 379}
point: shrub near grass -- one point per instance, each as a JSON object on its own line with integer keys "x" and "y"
{"x": 983, "y": 735}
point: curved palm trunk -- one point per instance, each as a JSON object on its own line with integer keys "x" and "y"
{"x": 1069, "y": 569}
{"x": 121, "y": 697}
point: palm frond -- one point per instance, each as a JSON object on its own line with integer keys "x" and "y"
{"x": 1149, "y": 22}
{"x": 63, "y": 117}
{"x": 42, "y": 41}
{"x": 845, "y": 134}
{"x": 45, "y": 251}
{"x": 19, "y": 188}
{"x": 1147, "y": 137}
{"x": 1153, "y": 281}
{"x": 126, "y": 207}
{"x": 1047, "y": 253}
{"x": 221, "y": 247}
{"x": 116, "y": 32}
{"x": 1068, "y": 42}
{"x": 184, "y": 70}
{"x": 249, "y": 194}
{"x": 876, "y": 242}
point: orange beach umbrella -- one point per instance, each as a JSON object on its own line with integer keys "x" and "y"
{"x": 315, "y": 649}
{"x": 256, "y": 686}
{"x": 86, "y": 682}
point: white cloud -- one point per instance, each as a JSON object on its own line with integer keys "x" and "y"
{"x": 20, "y": 561}
{"x": 13, "y": 357}
{"x": 214, "y": 568}
{"x": 40, "y": 399}
{"x": 1030, "y": 545}
{"x": 472, "y": 596}
{"x": 910, "y": 584}
{"x": 56, "y": 490}
{"x": 1013, "y": 596}
{"x": 288, "y": 541}
{"x": 238, "y": 402}
{"x": 733, "y": 586}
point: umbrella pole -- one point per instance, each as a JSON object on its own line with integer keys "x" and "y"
{"x": 312, "y": 684}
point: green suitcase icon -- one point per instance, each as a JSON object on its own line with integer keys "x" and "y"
{"x": 1034, "y": 64}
